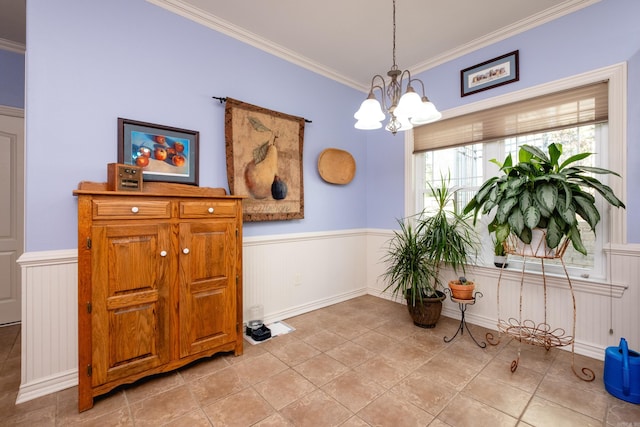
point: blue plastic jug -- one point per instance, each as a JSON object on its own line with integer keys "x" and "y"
{"x": 622, "y": 372}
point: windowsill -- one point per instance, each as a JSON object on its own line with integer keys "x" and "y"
{"x": 579, "y": 284}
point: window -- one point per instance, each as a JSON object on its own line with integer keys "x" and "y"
{"x": 468, "y": 167}
{"x": 593, "y": 122}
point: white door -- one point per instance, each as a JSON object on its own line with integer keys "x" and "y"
{"x": 11, "y": 215}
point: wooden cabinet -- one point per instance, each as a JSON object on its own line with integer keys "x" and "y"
{"x": 159, "y": 281}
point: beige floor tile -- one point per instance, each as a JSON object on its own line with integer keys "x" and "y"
{"x": 258, "y": 369}
{"x": 38, "y": 417}
{"x": 324, "y": 340}
{"x": 351, "y": 354}
{"x": 274, "y": 420}
{"x": 523, "y": 378}
{"x": 504, "y": 397}
{"x": 241, "y": 409}
{"x": 425, "y": 391}
{"x": 164, "y": 407}
{"x": 294, "y": 352}
{"x": 203, "y": 368}
{"x": 621, "y": 413}
{"x": 151, "y": 386}
{"x": 375, "y": 341}
{"x": 353, "y": 390}
{"x": 464, "y": 411}
{"x": 219, "y": 385}
{"x": 543, "y": 413}
{"x": 195, "y": 418}
{"x": 392, "y": 410}
{"x": 382, "y": 370}
{"x": 316, "y": 409}
{"x": 357, "y": 363}
{"x": 284, "y": 388}
{"x": 588, "y": 398}
{"x": 321, "y": 369}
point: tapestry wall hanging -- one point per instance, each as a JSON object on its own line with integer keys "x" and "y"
{"x": 264, "y": 161}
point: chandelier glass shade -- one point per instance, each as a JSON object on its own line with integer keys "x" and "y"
{"x": 405, "y": 110}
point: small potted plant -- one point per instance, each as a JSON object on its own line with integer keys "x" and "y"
{"x": 499, "y": 254}
{"x": 541, "y": 196}
{"x": 416, "y": 253}
{"x": 462, "y": 288}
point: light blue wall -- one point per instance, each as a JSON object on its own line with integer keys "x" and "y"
{"x": 11, "y": 79}
{"x": 91, "y": 62}
{"x": 601, "y": 35}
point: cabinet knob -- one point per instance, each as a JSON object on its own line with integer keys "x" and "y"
{"x": 135, "y": 209}
{"x": 210, "y": 210}
{"x": 185, "y": 251}
{"x": 163, "y": 253}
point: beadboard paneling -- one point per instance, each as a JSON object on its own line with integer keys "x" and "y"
{"x": 296, "y": 273}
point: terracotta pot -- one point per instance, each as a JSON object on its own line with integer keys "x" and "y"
{"x": 460, "y": 291}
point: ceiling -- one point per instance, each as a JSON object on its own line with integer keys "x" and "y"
{"x": 351, "y": 40}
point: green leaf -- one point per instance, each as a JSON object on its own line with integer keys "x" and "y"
{"x": 576, "y": 240}
{"x": 547, "y": 196}
{"x": 587, "y": 210}
{"x": 502, "y": 232}
{"x": 555, "y": 151}
{"x": 567, "y": 212}
{"x": 594, "y": 169}
{"x": 525, "y": 235}
{"x": 526, "y": 200}
{"x": 504, "y": 209}
{"x": 259, "y": 153}
{"x": 574, "y": 158}
{"x": 532, "y": 216}
{"x": 604, "y": 190}
{"x": 554, "y": 233}
{"x": 536, "y": 152}
{"x": 516, "y": 221}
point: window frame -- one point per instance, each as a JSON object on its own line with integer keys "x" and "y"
{"x": 617, "y": 137}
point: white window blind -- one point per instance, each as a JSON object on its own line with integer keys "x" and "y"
{"x": 582, "y": 105}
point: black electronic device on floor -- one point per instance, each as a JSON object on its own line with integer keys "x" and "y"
{"x": 259, "y": 334}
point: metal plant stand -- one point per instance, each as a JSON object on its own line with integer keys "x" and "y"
{"x": 529, "y": 332}
{"x": 462, "y": 305}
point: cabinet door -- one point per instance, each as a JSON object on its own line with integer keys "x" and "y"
{"x": 208, "y": 260}
{"x": 132, "y": 270}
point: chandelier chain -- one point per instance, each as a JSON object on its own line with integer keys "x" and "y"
{"x": 394, "y": 35}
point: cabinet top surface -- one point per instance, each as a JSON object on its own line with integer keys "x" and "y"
{"x": 155, "y": 189}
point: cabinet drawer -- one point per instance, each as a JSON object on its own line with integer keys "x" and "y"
{"x": 131, "y": 209}
{"x": 207, "y": 209}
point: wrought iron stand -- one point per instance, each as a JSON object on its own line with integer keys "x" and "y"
{"x": 462, "y": 305}
{"x": 539, "y": 334}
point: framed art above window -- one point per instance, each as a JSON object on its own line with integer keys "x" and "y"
{"x": 489, "y": 74}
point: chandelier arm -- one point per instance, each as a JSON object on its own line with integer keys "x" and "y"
{"x": 382, "y": 87}
{"x": 421, "y": 84}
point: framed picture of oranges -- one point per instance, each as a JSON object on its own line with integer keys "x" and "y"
{"x": 164, "y": 153}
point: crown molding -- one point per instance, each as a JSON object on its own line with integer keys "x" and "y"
{"x": 195, "y": 14}
{"x": 12, "y": 46}
{"x": 521, "y": 26}
{"x": 208, "y": 20}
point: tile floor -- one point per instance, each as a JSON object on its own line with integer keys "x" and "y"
{"x": 357, "y": 363}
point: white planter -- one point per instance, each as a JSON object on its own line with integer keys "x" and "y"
{"x": 537, "y": 247}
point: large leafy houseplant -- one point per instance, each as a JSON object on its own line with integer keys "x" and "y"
{"x": 424, "y": 243}
{"x": 541, "y": 192}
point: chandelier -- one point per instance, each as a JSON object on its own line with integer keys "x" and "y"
{"x": 404, "y": 111}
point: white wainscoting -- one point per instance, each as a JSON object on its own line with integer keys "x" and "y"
{"x": 297, "y": 273}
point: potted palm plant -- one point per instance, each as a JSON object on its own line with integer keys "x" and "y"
{"x": 425, "y": 243}
{"x": 542, "y": 196}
